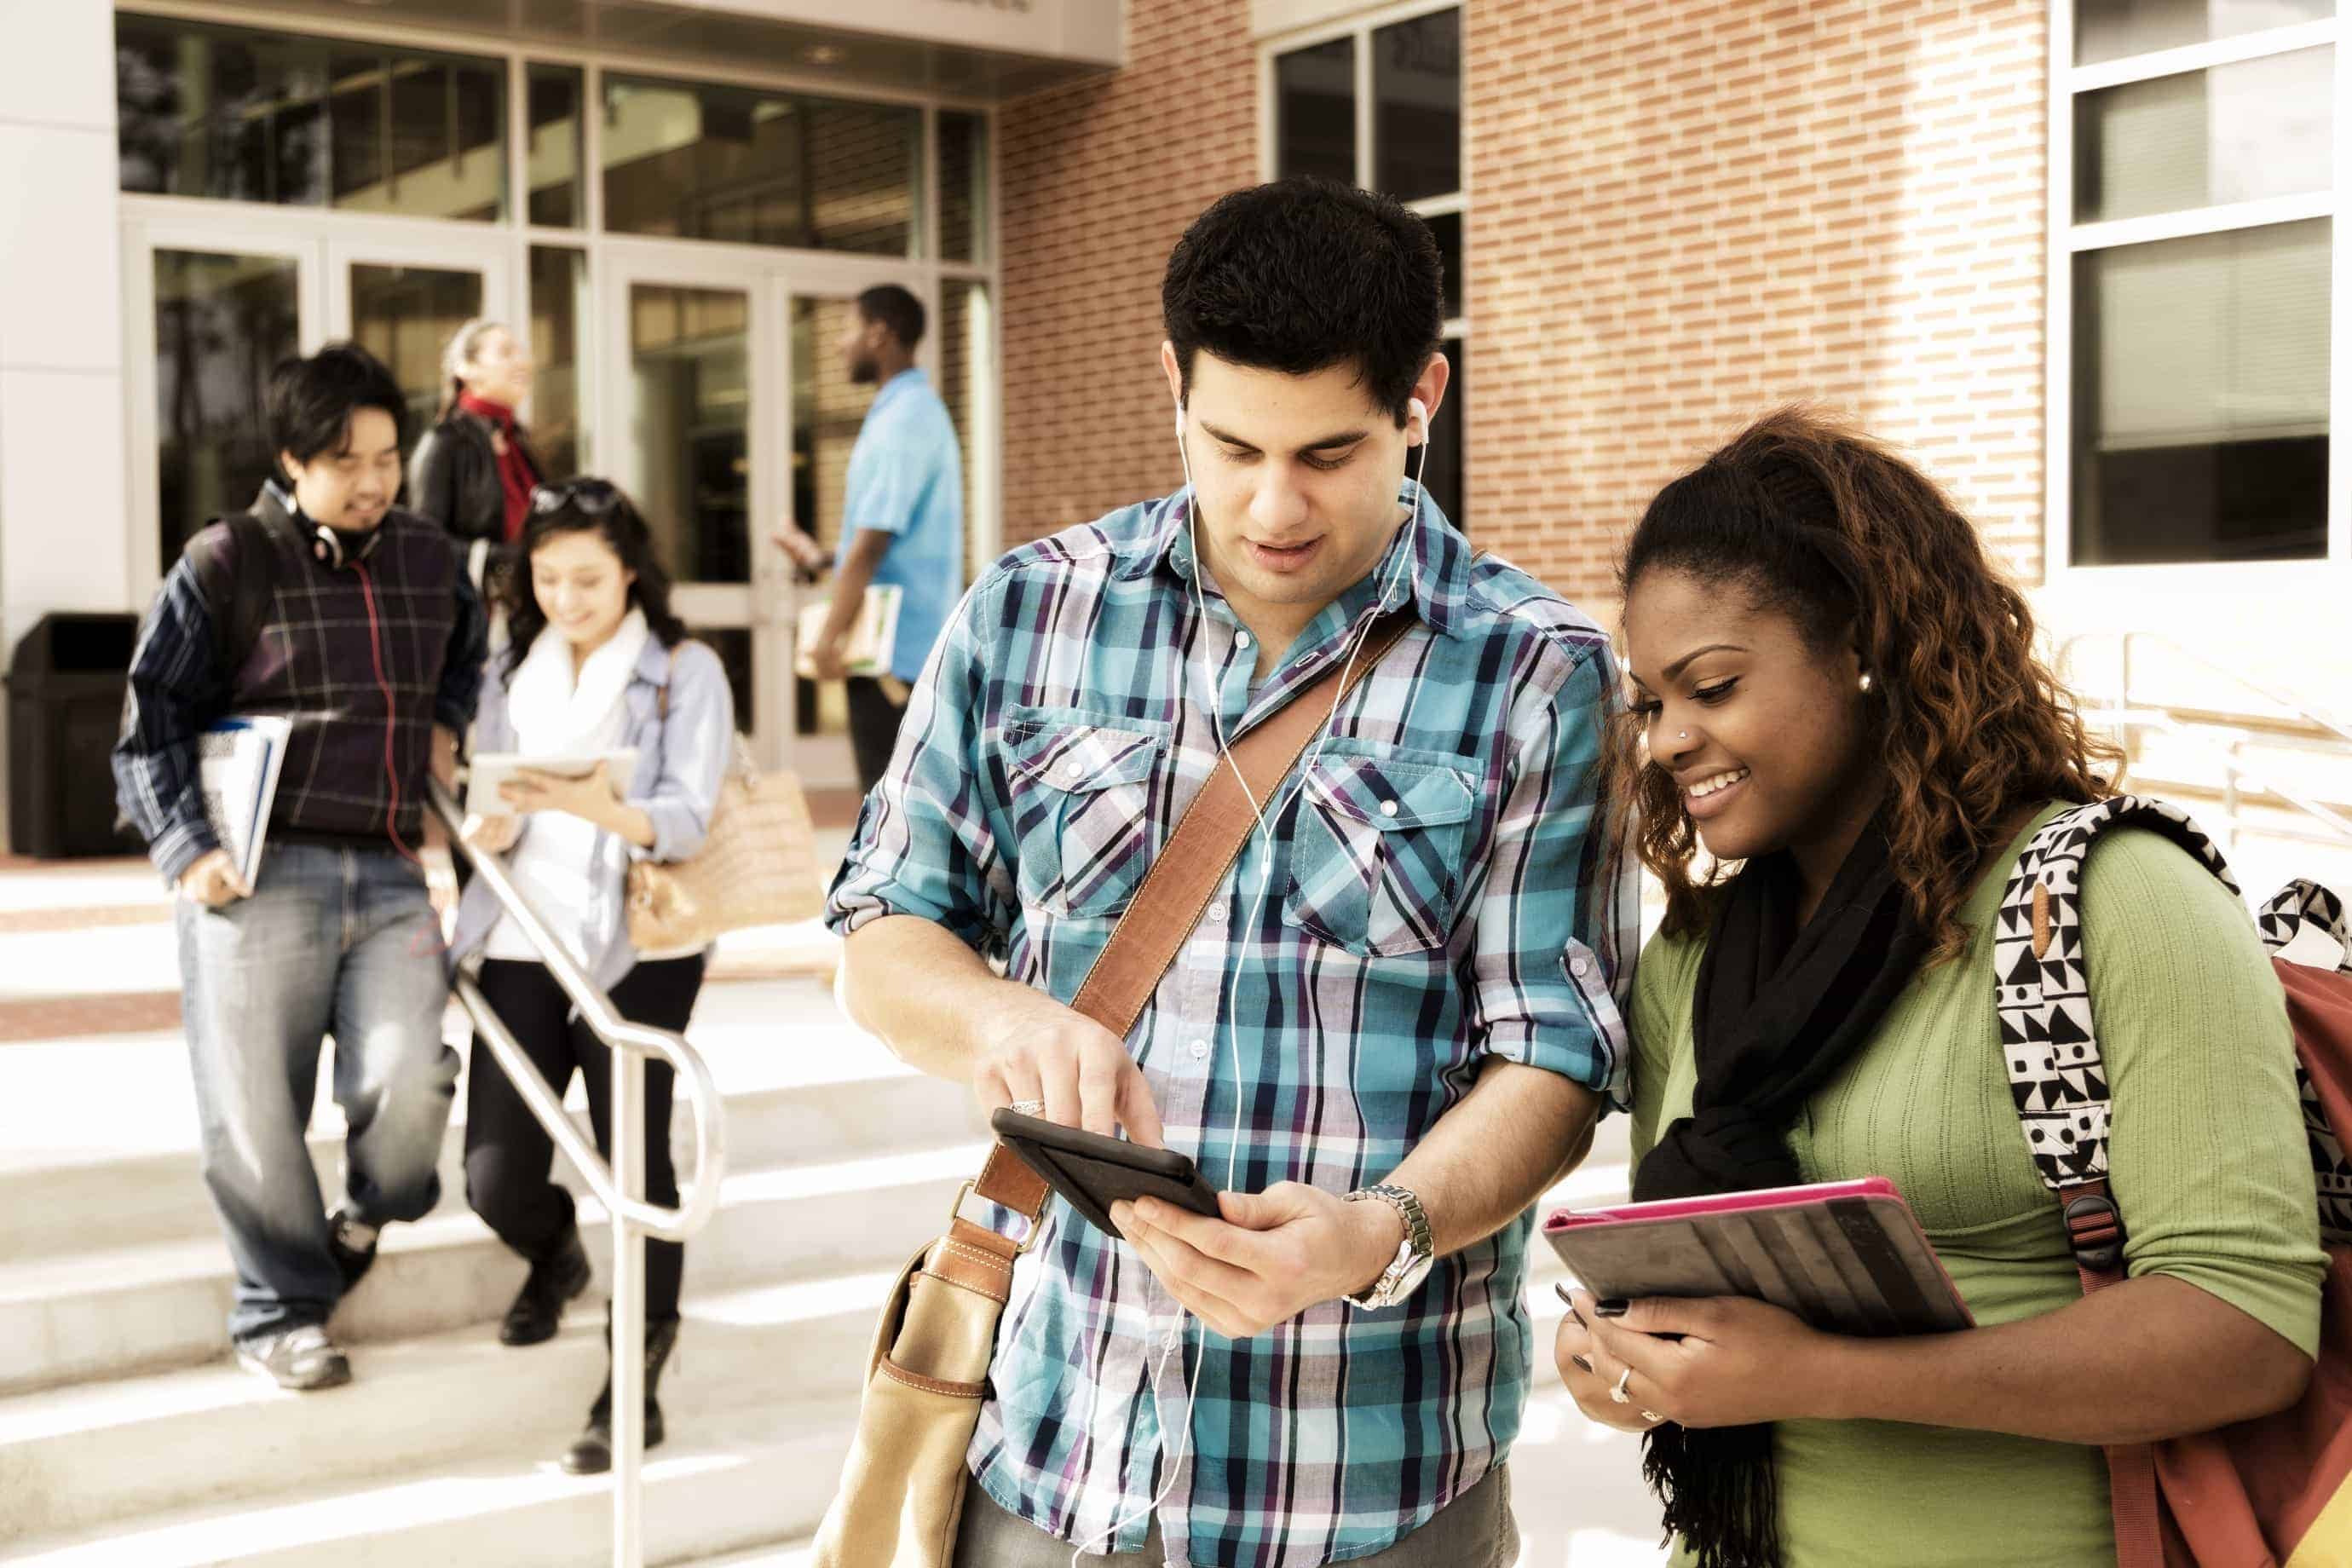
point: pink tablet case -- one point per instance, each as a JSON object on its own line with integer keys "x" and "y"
{"x": 1844, "y": 1255}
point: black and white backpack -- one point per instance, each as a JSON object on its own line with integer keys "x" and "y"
{"x": 2278, "y": 1490}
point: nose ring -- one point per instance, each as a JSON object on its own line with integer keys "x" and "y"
{"x": 1684, "y": 736}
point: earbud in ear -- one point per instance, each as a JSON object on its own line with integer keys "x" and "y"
{"x": 1180, "y": 422}
{"x": 1417, "y": 413}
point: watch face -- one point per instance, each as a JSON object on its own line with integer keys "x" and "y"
{"x": 1409, "y": 1280}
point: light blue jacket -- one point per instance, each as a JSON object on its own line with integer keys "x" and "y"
{"x": 681, "y": 763}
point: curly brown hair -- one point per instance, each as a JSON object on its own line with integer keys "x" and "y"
{"x": 1814, "y": 519}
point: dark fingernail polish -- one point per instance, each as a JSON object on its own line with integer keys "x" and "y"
{"x": 1610, "y": 1308}
{"x": 1568, "y": 1301}
{"x": 1583, "y": 1362}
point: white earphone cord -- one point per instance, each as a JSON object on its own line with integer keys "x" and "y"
{"x": 1175, "y": 1337}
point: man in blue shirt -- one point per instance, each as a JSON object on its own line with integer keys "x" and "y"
{"x": 901, "y": 522}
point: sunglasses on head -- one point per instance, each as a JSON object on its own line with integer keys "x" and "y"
{"x": 590, "y": 498}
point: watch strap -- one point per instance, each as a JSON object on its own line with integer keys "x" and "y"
{"x": 1417, "y": 1247}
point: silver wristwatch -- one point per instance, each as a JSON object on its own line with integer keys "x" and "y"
{"x": 1414, "y": 1255}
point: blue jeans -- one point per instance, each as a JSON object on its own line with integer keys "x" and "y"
{"x": 339, "y": 941}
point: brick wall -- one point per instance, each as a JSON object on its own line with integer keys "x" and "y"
{"x": 1682, "y": 212}
{"x": 1100, "y": 179}
{"x": 1686, "y": 211}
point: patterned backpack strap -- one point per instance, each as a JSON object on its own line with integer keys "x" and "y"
{"x": 2305, "y": 904}
{"x": 2042, "y": 994}
{"x": 2298, "y": 905}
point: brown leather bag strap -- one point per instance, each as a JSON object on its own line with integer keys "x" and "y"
{"x": 1187, "y": 873}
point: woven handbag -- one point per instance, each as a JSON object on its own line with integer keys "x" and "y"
{"x": 900, "y": 1502}
{"x": 757, "y": 866}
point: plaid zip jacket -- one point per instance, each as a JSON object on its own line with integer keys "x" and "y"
{"x": 1434, "y": 895}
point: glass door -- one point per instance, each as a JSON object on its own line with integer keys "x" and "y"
{"x": 212, "y": 308}
{"x": 403, "y": 301}
{"x": 694, "y": 346}
{"x": 828, "y": 410}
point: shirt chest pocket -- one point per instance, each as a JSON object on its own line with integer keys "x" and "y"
{"x": 1082, "y": 811}
{"x": 1377, "y": 854}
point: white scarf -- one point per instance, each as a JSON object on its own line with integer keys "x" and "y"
{"x": 555, "y": 715}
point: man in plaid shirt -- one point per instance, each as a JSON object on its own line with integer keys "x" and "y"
{"x": 1406, "y": 992}
{"x": 354, "y": 622}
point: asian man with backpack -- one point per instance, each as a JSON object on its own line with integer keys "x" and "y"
{"x": 325, "y": 606}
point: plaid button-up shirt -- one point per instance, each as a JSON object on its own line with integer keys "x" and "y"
{"x": 1437, "y": 893}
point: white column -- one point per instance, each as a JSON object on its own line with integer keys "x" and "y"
{"x": 63, "y": 530}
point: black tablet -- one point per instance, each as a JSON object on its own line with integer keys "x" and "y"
{"x": 1094, "y": 1172}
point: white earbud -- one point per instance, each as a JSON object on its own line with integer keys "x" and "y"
{"x": 1180, "y": 424}
{"x": 1416, "y": 413}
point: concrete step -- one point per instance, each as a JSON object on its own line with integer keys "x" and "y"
{"x": 722, "y": 1483}
{"x": 746, "y": 1478}
{"x": 752, "y": 1473}
{"x": 777, "y": 1361}
{"x": 160, "y": 1198}
{"x": 113, "y": 1314}
{"x": 104, "y": 1130}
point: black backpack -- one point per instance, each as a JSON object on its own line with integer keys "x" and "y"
{"x": 238, "y": 585}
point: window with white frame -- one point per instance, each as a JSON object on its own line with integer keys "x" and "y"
{"x": 1377, "y": 102}
{"x": 2191, "y": 301}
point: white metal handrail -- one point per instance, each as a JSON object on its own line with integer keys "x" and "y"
{"x": 2267, "y": 692}
{"x": 2219, "y": 741}
{"x": 620, "y": 1186}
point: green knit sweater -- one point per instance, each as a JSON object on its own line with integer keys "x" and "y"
{"x": 2209, "y": 1164}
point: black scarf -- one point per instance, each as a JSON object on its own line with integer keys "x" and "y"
{"x": 1779, "y": 1008}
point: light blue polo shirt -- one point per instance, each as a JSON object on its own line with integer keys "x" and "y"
{"x": 905, "y": 478}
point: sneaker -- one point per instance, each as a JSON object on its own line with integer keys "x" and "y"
{"x": 352, "y": 1242}
{"x": 302, "y": 1359}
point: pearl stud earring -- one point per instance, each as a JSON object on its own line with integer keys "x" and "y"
{"x": 1866, "y": 682}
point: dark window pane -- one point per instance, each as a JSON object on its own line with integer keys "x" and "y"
{"x": 2110, "y": 29}
{"x": 2202, "y": 398}
{"x": 699, "y": 161}
{"x": 733, "y": 646}
{"x": 404, "y": 316}
{"x": 690, "y": 360}
{"x": 221, "y": 322}
{"x": 294, "y": 121}
{"x": 1443, "y": 475}
{"x": 553, "y": 157}
{"x": 828, "y": 411}
{"x": 2234, "y": 134}
{"x": 1315, "y": 112}
{"x": 963, "y": 187}
{"x": 558, "y": 404}
{"x": 1417, "y": 107}
{"x": 1447, "y": 228}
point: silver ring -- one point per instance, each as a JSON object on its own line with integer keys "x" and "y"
{"x": 1028, "y": 1108}
{"x": 1618, "y": 1392}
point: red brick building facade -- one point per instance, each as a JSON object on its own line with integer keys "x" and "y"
{"x": 1679, "y": 214}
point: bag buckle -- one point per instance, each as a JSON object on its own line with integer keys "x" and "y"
{"x": 2094, "y": 1228}
{"x": 955, "y": 1213}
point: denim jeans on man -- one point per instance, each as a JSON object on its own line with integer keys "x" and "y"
{"x": 340, "y": 942}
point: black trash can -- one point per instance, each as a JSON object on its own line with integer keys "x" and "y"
{"x": 64, "y": 707}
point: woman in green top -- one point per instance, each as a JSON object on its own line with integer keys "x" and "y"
{"x": 1837, "y": 695}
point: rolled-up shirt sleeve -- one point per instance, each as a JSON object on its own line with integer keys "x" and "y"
{"x": 925, "y": 843}
{"x": 1558, "y": 906}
